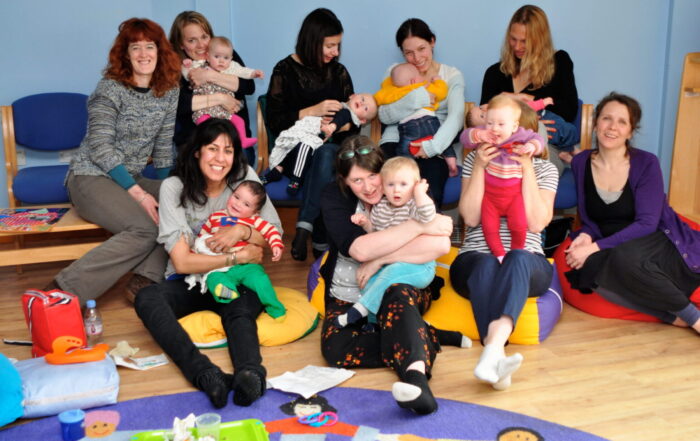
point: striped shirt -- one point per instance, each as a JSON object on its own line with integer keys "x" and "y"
{"x": 547, "y": 179}
{"x": 385, "y": 215}
{"x": 220, "y": 219}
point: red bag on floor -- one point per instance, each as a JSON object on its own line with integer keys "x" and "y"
{"x": 50, "y": 315}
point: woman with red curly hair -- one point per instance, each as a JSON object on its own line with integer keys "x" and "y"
{"x": 131, "y": 118}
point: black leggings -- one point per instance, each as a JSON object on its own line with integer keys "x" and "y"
{"x": 160, "y": 306}
{"x": 402, "y": 339}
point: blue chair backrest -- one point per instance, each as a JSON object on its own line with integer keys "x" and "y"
{"x": 50, "y": 121}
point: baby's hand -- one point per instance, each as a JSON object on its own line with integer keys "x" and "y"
{"x": 526, "y": 149}
{"x": 420, "y": 189}
{"x": 276, "y": 254}
{"x": 548, "y": 101}
{"x": 359, "y": 219}
{"x": 435, "y": 78}
{"x": 187, "y": 62}
{"x": 484, "y": 135}
{"x": 328, "y": 129}
{"x": 257, "y": 73}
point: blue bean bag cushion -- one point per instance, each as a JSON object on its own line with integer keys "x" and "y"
{"x": 10, "y": 393}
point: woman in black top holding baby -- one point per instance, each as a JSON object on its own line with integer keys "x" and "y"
{"x": 311, "y": 82}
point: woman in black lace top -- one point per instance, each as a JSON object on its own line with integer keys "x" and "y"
{"x": 311, "y": 82}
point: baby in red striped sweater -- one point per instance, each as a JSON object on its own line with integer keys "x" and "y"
{"x": 241, "y": 208}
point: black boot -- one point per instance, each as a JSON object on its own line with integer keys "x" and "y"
{"x": 215, "y": 384}
{"x": 248, "y": 386}
{"x": 299, "y": 244}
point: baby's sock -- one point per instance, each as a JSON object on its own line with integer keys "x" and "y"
{"x": 507, "y": 367}
{"x": 273, "y": 175}
{"x": 225, "y": 293}
{"x": 414, "y": 393}
{"x": 354, "y": 314}
{"x": 293, "y": 186}
{"x": 486, "y": 368}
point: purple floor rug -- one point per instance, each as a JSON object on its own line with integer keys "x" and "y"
{"x": 364, "y": 415}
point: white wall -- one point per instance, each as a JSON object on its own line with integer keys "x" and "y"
{"x": 632, "y": 46}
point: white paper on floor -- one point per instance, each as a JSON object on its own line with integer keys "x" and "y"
{"x": 309, "y": 380}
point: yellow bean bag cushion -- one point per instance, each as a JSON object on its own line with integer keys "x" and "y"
{"x": 453, "y": 312}
{"x": 205, "y": 330}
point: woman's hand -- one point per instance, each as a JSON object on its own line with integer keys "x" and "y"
{"x": 145, "y": 200}
{"x": 440, "y": 226}
{"x": 200, "y": 76}
{"x": 227, "y": 237}
{"x": 484, "y": 154}
{"x": 325, "y": 109}
{"x": 581, "y": 240}
{"x": 576, "y": 257}
{"x": 229, "y": 103}
{"x": 522, "y": 157}
{"x": 366, "y": 271}
{"x": 249, "y": 254}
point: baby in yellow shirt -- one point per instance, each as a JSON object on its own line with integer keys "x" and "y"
{"x": 422, "y": 124}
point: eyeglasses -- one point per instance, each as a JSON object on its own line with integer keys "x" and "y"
{"x": 362, "y": 150}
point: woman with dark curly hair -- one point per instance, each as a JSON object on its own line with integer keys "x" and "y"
{"x": 131, "y": 119}
{"x": 207, "y": 171}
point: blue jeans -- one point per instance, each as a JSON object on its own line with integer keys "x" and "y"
{"x": 417, "y": 275}
{"x": 416, "y": 129}
{"x": 566, "y": 135}
{"x": 320, "y": 172}
{"x": 496, "y": 289}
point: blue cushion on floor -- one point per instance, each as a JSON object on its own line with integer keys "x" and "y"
{"x": 566, "y": 191}
{"x": 41, "y": 185}
{"x": 10, "y": 393}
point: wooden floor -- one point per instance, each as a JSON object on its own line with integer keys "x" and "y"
{"x": 617, "y": 379}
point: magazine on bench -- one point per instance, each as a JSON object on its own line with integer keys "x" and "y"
{"x": 29, "y": 219}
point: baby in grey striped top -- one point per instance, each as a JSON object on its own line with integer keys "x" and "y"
{"x": 405, "y": 197}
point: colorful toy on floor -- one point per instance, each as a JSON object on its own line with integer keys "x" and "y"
{"x": 62, "y": 353}
{"x": 319, "y": 419}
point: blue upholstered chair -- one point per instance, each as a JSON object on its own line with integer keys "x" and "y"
{"x": 566, "y": 192}
{"x": 46, "y": 122}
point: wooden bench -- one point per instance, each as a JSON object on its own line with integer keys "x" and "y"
{"x": 40, "y": 250}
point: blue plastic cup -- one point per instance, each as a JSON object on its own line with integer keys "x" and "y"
{"x": 72, "y": 424}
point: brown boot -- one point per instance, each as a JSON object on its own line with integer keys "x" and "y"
{"x": 135, "y": 284}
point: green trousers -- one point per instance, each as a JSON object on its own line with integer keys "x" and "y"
{"x": 252, "y": 276}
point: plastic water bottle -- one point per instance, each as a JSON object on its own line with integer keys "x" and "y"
{"x": 93, "y": 323}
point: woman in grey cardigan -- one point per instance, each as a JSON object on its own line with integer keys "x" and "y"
{"x": 131, "y": 119}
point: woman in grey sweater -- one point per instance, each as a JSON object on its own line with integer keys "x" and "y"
{"x": 131, "y": 117}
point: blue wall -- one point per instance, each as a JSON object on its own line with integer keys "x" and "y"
{"x": 632, "y": 46}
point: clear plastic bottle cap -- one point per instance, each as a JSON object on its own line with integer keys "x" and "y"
{"x": 90, "y": 304}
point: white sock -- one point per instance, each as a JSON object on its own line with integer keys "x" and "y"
{"x": 506, "y": 368}
{"x": 486, "y": 368}
{"x": 405, "y": 392}
{"x": 466, "y": 342}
